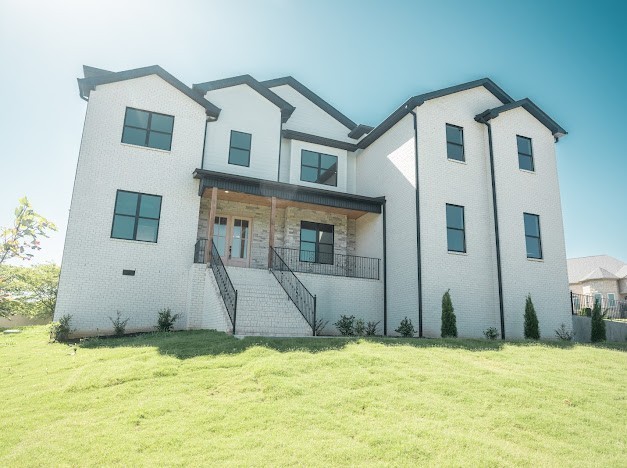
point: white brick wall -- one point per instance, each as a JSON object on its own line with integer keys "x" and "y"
{"x": 92, "y": 287}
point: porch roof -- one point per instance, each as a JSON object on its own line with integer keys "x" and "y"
{"x": 285, "y": 191}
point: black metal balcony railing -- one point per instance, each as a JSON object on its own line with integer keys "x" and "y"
{"x": 199, "y": 251}
{"x": 304, "y": 301}
{"x": 351, "y": 266}
{"x": 612, "y": 309}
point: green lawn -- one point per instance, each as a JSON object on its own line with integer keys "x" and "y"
{"x": 204, "y": 398}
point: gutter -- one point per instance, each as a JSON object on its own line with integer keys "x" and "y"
{"x": 496, "y": 227}
{"x": 418, "y": 249}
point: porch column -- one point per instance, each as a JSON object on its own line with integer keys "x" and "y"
{"x": 271, "y": 236}
{"x": 211, "y": 221}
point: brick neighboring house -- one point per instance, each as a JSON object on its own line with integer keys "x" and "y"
{"x": 600, "y": 276}
{"x": 258, "y": 206}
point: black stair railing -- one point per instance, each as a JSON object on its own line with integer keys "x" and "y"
{"x": 227, "y": 291}
{"x": 199, "y": 250}
{"x": 304, "y": 301}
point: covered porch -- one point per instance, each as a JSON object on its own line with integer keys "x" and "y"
{"x": 251, "y": 221}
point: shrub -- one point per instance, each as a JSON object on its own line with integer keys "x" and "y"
{"x": 61, "y": 330}
{"x": 346, "y": 325}
{"x": 564, "y": 333}
{"x": 166, "y": 320}
{"x": 586, "y": 312}
{"x": 491, "y": 333}
{"x": 360, "y": 327}
{"x": 449, "y": 322}
{"x": 119, "y": 325}
{"x": 597, "y": 332}
{"x": 532, "y": 329}
{"x": 405, "y": 329}
{"x": 371, "y": 328}
{"x": 319, "y": 326}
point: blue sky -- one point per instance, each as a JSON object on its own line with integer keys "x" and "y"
{"x": 365, "y": 57}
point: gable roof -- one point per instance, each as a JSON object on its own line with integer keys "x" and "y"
{"x": 420, "y": 99}
{"x": 286, "y": 108}
{"x": 582, "y": 267}
{"x": 599, "y": 273}
{"x": 622, "y": 273}
{"x": 96, "y": 76}
{"x": 530, "y": 107}
{"x": 313, "y": 97}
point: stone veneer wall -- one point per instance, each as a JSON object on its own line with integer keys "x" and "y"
{"x": 287, "y": 227}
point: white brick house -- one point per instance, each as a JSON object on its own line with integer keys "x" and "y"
{"x": 258, "y": 206}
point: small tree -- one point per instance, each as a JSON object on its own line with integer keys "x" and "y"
{"x": 449, "y": 322}
{"x": 406, "y": 328}
{"x": 532, "y": 329}
{"x": 597, "y": 332}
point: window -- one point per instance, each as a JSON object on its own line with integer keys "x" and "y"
{"x": 316, "y": 242}
{"x": 136, "y": 216}
{"x": 598, "y": 297}
{"x": 239, "y": 149}
{"x": 149, "y": 129}
{"x": 455, "y": 229}
{"x": 455, "y": 142}
{"x": 525, "y": 154}
{"x": 611, "y": 300}
{"x": 532, "y": 235}
{"x": 318, "y": 168}
{"x": 219, "y": 234}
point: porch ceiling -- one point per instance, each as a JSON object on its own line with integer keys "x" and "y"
{"x": 260, "y": 192}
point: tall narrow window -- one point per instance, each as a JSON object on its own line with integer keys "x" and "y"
{"x": 148, "y": 129}
{"x": 532, "y": 235}
{"x": 316, "y": 242}
{"x": 455, "y": 142}
{"x": 219, "y": 234}
{"x": 318, "y": 168}
{"x": 611, "y": 300}
{"x": 525, "y": 153}
{"x": 136, "y": 216}
{"x": 455, "y": 228}
{"x": 239, "y": 149}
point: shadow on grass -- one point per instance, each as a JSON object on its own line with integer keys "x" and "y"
{"x": 189, "y": 344}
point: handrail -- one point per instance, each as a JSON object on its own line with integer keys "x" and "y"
{"x": 582, "y": 304}
{"x": 199, "y": 250}
{"x": 227, "y": 291}
{"x": 304, "y": 301}
{"x": 352, "y": 266}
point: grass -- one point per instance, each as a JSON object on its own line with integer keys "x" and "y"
{"x": 205, "y": 398}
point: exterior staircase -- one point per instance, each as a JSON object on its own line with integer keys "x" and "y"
{"x": 263, "y": 307}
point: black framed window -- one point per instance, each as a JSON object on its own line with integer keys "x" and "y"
{"x": 150, "y": 129}
{"x": 318, "y": 168}
{"x": 136, "y": 216}
{"x": 532, "y": 235}
{"x": 316, "y": 242}
{"x": 239, "y": 148}
{"x": 455, "y": 228}
{"x": 455, "y": 142}
{"x": 525, "y": 153}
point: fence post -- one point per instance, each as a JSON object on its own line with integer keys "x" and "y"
{"x": 314, "y": 320}
{"x": 572, "y": 307}
{"x": 235, "y": 312}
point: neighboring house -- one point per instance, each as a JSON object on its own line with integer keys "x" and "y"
{"x": 225, "y": 200}
{"x": 599, "y": 277}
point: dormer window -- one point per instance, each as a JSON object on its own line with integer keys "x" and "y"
{"x": 149, "y": 129}
{"x": 318, "y": 168}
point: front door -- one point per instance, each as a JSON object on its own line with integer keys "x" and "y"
{"x": 232, "y": 238}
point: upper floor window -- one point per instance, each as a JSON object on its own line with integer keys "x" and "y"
{"x": 239, "y": 148}
{"x": 316, "y": 242}
{"x": 455, "y": 142}
{"x": 455, "y": 228}
{"x": 318, "y": 168}
{"x": 532, "y": 235}
{"x": 525, "y": 153}
{"x": 149, "y": 129}
{"x": 136, "y": 216}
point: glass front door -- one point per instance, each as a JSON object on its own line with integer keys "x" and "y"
{"x": 231, "y": 236}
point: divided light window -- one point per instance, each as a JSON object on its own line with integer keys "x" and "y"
{"x": 136, "y": 216}
{"x": 316, "y": 242}
{"x": 525, "y": 153}
{"x": 148, "y": 129}
{"x": 532, "y": 235}
{"x": 455, "y": 228}
{"x": 239, "y": 148}
{"x": 318, "y": 168}
{"x": 455, "y": 142}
